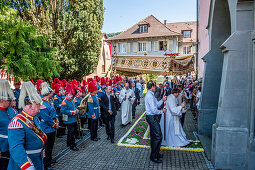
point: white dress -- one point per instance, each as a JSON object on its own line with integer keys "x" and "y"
{"x": 175, "y": 136}
{"x": 126, "y": 105}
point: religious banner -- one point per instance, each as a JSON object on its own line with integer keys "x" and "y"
{"x": 182, "y": 65}
{"x": 134, "y": 65}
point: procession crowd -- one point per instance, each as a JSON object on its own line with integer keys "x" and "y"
{"x": 33, "y": 116}
{"x": 166, "y": 107}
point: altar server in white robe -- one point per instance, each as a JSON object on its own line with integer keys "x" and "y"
{"x": 175, "y": 136}
{"x": 127, "y": 98}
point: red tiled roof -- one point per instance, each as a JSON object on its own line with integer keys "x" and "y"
{"x": 155, "y": 29}
{"x": 185, "y": 26}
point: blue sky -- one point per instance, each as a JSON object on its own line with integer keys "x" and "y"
{"x": 121, "y": 14}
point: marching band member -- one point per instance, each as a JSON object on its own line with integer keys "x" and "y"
{"x": 26, "y": 139}
{"x": 100, "y": 93}
{"x": 11, "y": 109}
{"x": 101, "y": 90}
{"x": 93, "y": 110}
{"x": 48, "y": 122}
{"x": 77, "y": 102}
{"x": 38, "y": 87}
{"x": 16, "y": 92}
{"x": 69, "y": 112}
{"x": 58, "y": 99}
{"x": 6, "y": 95}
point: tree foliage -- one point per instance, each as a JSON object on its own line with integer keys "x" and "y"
{"x": 22, "y": 52}
{"x": 153, "y": 77}
{"x": 113, "y": 34}
{"x": 74, "y": 28}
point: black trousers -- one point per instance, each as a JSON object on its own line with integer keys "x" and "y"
{"x": 3, "y": 161}
{"x": 83, "y": 120}
{"x": 62, "y": 128}
{"x": 48, "y": 148}
{"x": 71, "y": 134}
{"x": 76, "y": 132}
{"x": 134, "y": 108}
{"x": 182, "y": 119}
{"x": 109, "y": 126}
{"x": 89, "y": 123}
{"x": 155, "y": 133}
{"x": 100, "y": 121}
{"x": 93, "y": 128}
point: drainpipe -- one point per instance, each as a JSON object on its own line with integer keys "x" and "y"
{"x": 197, "y": 35}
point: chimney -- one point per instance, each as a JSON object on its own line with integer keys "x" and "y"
{"x": 164, "y": 22}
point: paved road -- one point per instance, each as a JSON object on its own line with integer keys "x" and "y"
{"x": 104, "y": 155}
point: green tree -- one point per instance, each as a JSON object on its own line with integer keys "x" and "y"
{"x": 23, "y": 53}
{"x": 153, "y": 77}
{"x": 74, "y": 28}
{"x": 113, "y": 34}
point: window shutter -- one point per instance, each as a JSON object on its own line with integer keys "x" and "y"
{"x": 148, "y": 46}
{"x": 170, "y": 45}
{"x": 135, "y": 44}
{"x": 117, "y": 48}
{"x": 128, "y": 47}
{"x": 156, "y": 46}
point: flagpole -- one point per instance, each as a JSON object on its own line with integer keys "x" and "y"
{"x": 165, "y": 74}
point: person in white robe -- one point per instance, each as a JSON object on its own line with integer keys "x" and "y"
{"x": 175, "y": 136}
{"x": 127, "y": 98}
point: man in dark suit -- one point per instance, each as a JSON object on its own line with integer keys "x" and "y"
{"x": 168, "y": 89}
{"x": 108, "y": 111}
{"x": 137, "y": 99}
{"x": 159, "y": 92}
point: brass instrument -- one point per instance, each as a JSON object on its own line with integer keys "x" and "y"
{"x": 80, "y": 129}
{"x": 82, "y": 112}
{"x": 85, "y": 103}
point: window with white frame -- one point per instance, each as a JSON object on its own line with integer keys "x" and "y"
{"x": 161, "y": 45}
{"x": 123, "y": 48}
{"x": 142, "y": 47}
{"x": 186, "y": 34}
{"x": 187, "y": 50}
{"x": 143, "y": 28}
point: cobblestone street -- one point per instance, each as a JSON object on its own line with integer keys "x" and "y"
{"x": 104, "y": 155}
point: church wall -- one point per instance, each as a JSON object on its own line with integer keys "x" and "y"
{"x": 219, "y": 19}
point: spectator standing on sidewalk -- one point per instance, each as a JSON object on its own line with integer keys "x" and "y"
{"x": 153, "y": 118}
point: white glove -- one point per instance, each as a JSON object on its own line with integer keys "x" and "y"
{"x": 31, "y": 168}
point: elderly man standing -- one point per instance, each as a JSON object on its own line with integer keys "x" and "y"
{"x": 153, "y": 118}
{"x": 127, "y": 98}
{"x": 6, "y": 96}
{"x": 137, "y": 99}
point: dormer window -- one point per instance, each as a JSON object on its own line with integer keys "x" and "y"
{"x": 143, "y": 28}
{"x": 186, "y": 34}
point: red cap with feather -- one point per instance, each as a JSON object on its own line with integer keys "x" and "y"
{"x": 17, "y": 83}
{"x": 69, "y": 89}
{"x": 84, "y": 82}
{"x": 38, "y": 83}
{"x": 103, "y": 82}
{"x": 64, "y": 82}
{"x": 110, "y": 82}
{"x": 53, "y": 85}
{"x": 114, "y": 81}
{"x": 92, "y": 87}
{"x": 90, "y": 80}
{"x": 56, "y": 87}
